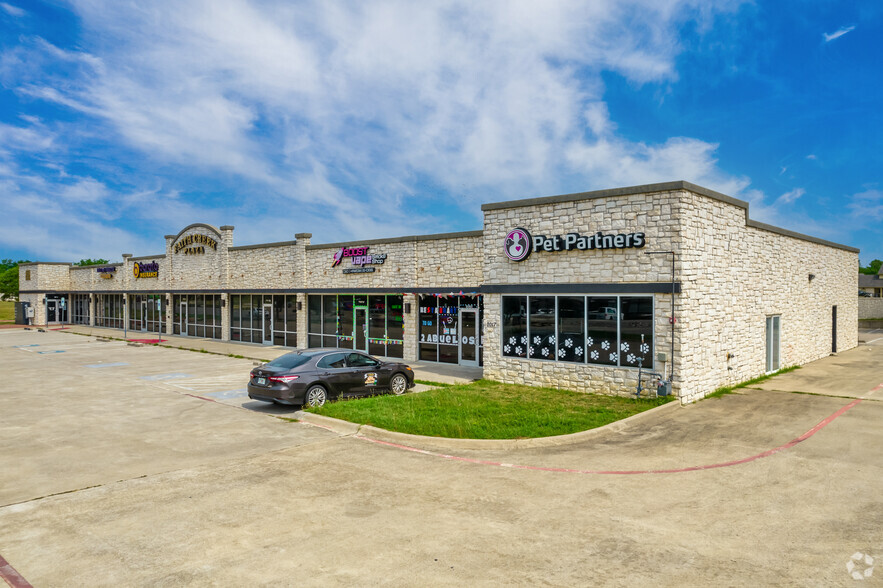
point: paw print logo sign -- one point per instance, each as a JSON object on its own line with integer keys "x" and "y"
{"x": 518, "y": 244}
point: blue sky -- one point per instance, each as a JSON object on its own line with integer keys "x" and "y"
{"x": 121, "y": 122}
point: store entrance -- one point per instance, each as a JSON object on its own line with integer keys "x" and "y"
{"x": 469, "y": 336}
{"x": 56, "y": 310}
{"x": 268, "y": 324}
{"x": 143, "y": 316}
{"x": 361, "y": 331}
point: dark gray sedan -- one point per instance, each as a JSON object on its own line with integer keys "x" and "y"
{"x": 312, "y": 376}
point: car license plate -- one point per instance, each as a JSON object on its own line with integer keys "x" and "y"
{"x": 261, "y": 381}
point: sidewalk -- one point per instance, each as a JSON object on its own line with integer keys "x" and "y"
{"x": 423, "y": 370}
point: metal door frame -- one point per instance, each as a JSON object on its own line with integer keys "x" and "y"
{"x": 183, "y": 324}
{"x": 460, "y": 335}
{"x": 143, "y": 315}
{"x": 266, "y": 312}
{"x": 356, "y": 310}
{"x": 54, "y": 303}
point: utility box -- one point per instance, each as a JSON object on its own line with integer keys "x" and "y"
{"x": 663, "y": 389}
{"x": 22, "y": 312}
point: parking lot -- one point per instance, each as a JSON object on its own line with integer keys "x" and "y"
{"x": 141, "y": 466}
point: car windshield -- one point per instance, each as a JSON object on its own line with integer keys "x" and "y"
{"x": 290, "y": 360}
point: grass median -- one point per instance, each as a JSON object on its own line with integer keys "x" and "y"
{"x": 7, "y": 312}
{"x": 489, "y": 410}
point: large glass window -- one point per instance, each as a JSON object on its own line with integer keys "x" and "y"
{"x": 605, "y": 330}
{"x": 571, "y": 328}
{"x": 80, "y": 309}
{"x": 441, "y": 338}
{"x": 515, "y": 326}
{"x": 542, "y": 327}
{"x": 197, "y": 315}
{"x": 329, "y": 326}
{"x": 147, "y": 312}
{"x": 251, "y": 323}
{"x": 332, "y": 322}
{"x": 109, "y": 311}
{"x": 601, "y": 344}
{"x": 428, "y": 328}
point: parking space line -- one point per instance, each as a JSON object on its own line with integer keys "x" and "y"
{"x": 11, "y": 576}
{"x": 105, "y": 365}
{"x": 824, "y": 423}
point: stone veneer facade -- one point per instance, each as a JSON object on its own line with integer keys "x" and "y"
{"x": 730, "y": 274}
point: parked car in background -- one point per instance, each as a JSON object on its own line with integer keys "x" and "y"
{"x": 311, "y": 377}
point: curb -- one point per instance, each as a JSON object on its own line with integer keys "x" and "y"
{"x": 377, "y": 434}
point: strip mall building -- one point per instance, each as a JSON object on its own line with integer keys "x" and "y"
{"x": 575, "y": 291}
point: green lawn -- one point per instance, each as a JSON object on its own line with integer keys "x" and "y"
{"x": 7, "y": 311}
{"x": 488, "y": 410}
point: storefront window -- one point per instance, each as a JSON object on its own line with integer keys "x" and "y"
{"x": 605, "y": 330}
{"x": 336, "y": 320}
{"x": 346, "y": 322}
{"x": 395, "y": 329}
{"x": 446, "y": 334}
{"x": 197, "y": 315}
{"x": 571, "y": 328}
{"x": 329, "y": 317}
{"x": 542, "y": 327}
{"x": 80, "y": 309}
{"x": 636, "y": 331}
{"x": 428, "y": 328}
{"x": 109, "y": 311}
{"x": 515, "y": 326}
{"x": 601, "y": 344}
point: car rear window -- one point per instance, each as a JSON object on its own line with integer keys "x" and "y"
{"x": 291, "y": 360}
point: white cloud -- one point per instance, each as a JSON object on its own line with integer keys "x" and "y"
{"x": 867, "y": 207}
{"x": 12, "y": 10}
{"x": 353, "y": 116}
{"x": 837, "y": 34}
{"x": 790, "y": 197}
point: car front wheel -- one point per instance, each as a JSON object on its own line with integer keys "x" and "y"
{"x": 398, "y": 384}
{"x": 315, "y": 396}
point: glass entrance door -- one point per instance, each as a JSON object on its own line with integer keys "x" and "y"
{"x": 183, "y": 324}
{"x": 268, "y": 324}
{"x": 469, "y": 335}
{"x": 143, "y": 316}
{"x": 51, "y": 311}
{"x": 360, "y": 336}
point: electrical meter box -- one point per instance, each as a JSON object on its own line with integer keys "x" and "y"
{"x": 664, "y": 389}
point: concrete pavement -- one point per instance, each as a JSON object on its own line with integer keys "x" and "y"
{"x": 124, "y": 475}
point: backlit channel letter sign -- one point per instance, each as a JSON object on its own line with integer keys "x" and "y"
{"x": 145, "y": 270}
{"x": 360, "y": 259}
{"x": 520, "y": 244}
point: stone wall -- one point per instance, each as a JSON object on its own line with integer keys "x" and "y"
{"x": 47, "y": 277}
{"x": 870, "y": 308}
{"x": 443, "y": 261}
{"x": 735, "y": 275}
{"x": 264, "y": 267}
{"x": 653, "y": 214}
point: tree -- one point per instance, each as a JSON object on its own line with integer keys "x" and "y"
{"x": 872, "y": 269}
{"x": 9, "y": 279}
{"x": 91, "y": 262}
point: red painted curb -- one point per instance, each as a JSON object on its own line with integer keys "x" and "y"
{"x": 11, "y": 577}
{"x": 824, "y": 423}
